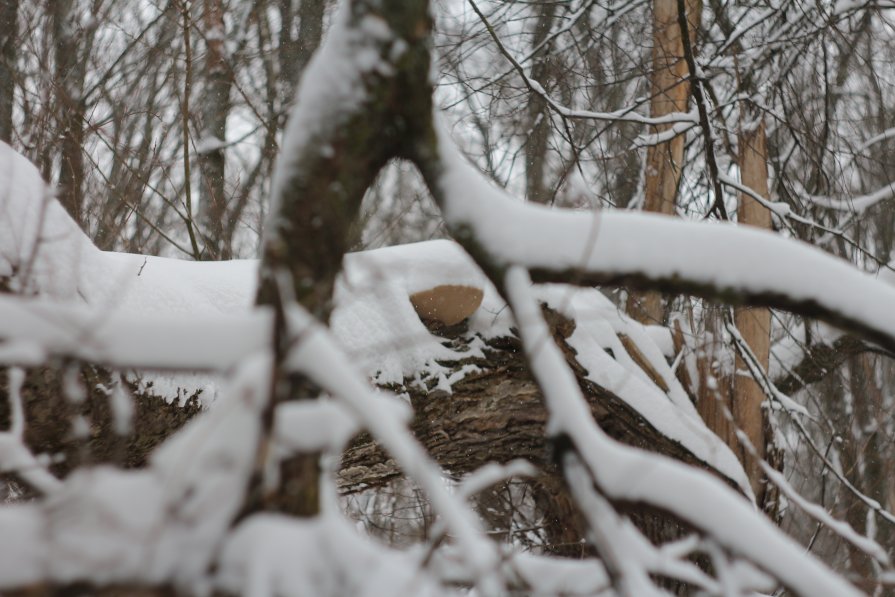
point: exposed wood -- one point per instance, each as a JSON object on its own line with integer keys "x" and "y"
{"x": 642, "y": 362}
{"x": 754, "y": 323}
{"x": 670, "y": 92}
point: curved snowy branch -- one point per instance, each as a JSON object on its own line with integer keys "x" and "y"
{"x": 630, "y": 475}
{"x": 716, "y": 261}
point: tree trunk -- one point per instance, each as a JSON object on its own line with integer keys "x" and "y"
{"x": 754, "y": 323}
{"x": 295, "y": 53}
{"x": 213, "y": 213}
{"x": 670, "y": 92}
{"x": 9, "y": 21}
{"x": 538, "y": 133}
{"x": 317, "y": 195}
{"x": 69, "y": 81}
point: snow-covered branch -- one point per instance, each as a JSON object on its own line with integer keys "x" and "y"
{"x": 719, "y": 261}
{"x": 692, "y": 495}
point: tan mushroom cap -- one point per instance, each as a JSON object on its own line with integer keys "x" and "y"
{"x": 448, "y": 304}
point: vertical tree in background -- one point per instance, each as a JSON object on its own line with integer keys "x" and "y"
{"x": 539, "y": 128}
{"x": 213, "y": 210}
{"x": 669, "y": 94}
{"x": 71, "y": 52}
{"x": 9, "y": 27}
{"x": 753, "y": 323}
{"x": 296, "y": 49}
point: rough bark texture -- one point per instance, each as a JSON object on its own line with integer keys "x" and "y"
{"x": 296, "y": 52}
{"x": 9, "y": 21}
{"x": 69, "y": 81}
{"x": 81, "y": 589}
{"x": 538, "y": 133}
{"x": 864, "y": 461}
{"x": 320, "y": 194}
{"x": 313, "y": 228}
{"x": 670, "y": 92}
{"x": 754, "y": 323}
{"x": 51, "y": 416}
{"x": 497, "y": 415}
{"x": 213, "y": 212}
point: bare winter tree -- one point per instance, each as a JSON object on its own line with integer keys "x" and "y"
{"x": 503, "y": 348}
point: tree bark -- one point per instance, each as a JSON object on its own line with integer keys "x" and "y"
{"x": 865, "y": 460}
{"x": 69, "y": 81}
{"x": 497, "y": 415}
{"x": 317, "y": 194}
{"x": 296, "y": 52}
{"x": 754, "y": 323}
{"x": 9, "y": 21}
{"x": 538, "y": 133}
{"x": 670, "y": 93}
{"x": 213, "y": 212}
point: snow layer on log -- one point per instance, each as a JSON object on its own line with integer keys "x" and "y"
{"x": 197, "y": 315}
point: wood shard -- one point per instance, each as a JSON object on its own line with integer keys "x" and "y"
{"x": 448, "y": 304}
{"x": 643, "y": 362}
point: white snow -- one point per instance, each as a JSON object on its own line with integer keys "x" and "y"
{"x": 192, "y": 315}
{"x": 160, "y": 524}
{"x": 612, "y": 245}
{"x": 319, "y": 357}
{"x": 375, "y": 321}
{"x": 630, "y": 474}
{"x": 167, "y": 522}
{"x": 273, "y": 555}
{"x": 38, "y": 239}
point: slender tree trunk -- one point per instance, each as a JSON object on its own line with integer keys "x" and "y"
{"x": 712, "y": 389}
{"x": 863, "y": 458}
{"x": 670, "y": 92}
{"x": 213, "y": 211}
{"x": 296, "y": 52}
{"x": 538, "y": 133}
{"x": 69, "y": 80}
{"x": 9, "y": 20}
{"x": 286, "y": 50}
{"x": 753, "y": 323}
